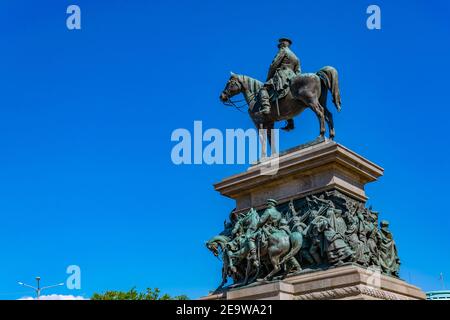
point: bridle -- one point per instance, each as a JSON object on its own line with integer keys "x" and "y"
{"x": 230, "y": 103}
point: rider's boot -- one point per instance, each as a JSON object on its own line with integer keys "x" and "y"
{"x": 252, "y": 254}
{"x": 254, "y": 259}
{"x": 264, "y": 100}
{"x": 294, "y": 265}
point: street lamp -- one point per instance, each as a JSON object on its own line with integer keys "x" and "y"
{"x": 38, "y": 289}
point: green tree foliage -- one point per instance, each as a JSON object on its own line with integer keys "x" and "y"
{"x": 133, "y": 294}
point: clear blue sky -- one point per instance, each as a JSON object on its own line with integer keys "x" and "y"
{"x": 86, "y": 117}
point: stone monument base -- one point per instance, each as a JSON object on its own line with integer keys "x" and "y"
{"x": 348, "y": 282}
{"x": 323, "y": 179}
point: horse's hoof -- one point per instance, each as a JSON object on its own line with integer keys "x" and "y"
{"x": 295, "y": 272}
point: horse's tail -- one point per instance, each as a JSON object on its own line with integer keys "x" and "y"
{"x": 296, "y": 244}
{"x": 329, "y": 76}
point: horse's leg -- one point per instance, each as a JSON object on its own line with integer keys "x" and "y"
{"x": 275, "y": 260}
{"x": 322, "y": 120}
{"x": 323, "y": 102}
{"x": 294, "y": 265}
{"x": 262, "y": 140}
{"x": 313, "y": 100}
{"x": 329, "y": 118}
{"x": 318, "y": 110}
{"x": 272, "y": 144}
{"x": 247, "y": 271}
{"x": 224, "y": 277}
{"x": 256, "y": 274}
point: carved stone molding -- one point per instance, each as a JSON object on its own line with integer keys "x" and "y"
{"x": 302, "y": 171}
{"x": 344, "y": 283}
{"x": 342, "y": 293}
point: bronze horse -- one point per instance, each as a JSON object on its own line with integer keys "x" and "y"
{"x": 308, "y": 90}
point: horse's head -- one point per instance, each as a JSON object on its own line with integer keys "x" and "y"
{"x": 213, "y": 247}
{"x": 232, "y": 88}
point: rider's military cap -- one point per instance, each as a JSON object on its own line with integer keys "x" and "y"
{"x": 285, "y": 39}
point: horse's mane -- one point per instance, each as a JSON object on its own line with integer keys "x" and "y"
{"x": 251, "y": 84}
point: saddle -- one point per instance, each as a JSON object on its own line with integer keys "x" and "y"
{"x": 275, "y": 95}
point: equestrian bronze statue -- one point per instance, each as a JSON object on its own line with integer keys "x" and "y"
{"x": 286, "y": 92}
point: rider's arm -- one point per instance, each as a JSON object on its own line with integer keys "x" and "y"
{"x": 298, "y": 68}
{"x": 263, "y": 220}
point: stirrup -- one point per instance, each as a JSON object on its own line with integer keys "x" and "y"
{"x": 264, "y": 111}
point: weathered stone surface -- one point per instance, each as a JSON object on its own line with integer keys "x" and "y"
{"x": 321, "y": 167}
{"x": 342, "y": 283}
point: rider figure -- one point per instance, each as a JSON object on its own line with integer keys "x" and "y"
{"x": 271, "y": 217}
{"x": 284, "y": 67}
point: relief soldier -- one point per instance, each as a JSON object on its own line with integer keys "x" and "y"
{"x": 270, "y": 219}
{"x": 389, "y": 260}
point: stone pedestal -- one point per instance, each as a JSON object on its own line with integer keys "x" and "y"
{"x": 326, "y": 175}
{"x": 302, "y": 171}
{"x": 342, "y": 283}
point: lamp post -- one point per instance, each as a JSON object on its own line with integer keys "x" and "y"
{"x": 441, "y": 278}
{"x": 38, "y": 288}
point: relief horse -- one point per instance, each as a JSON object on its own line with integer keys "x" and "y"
{"x": 279, "y": 248}
{"x": 219, "y": 245}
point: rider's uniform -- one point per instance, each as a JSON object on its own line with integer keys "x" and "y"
{"x": 271, "y": 218}
{"x": 283, "y": 68}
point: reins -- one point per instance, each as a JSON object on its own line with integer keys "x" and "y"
{"x": 231, "y": 103}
